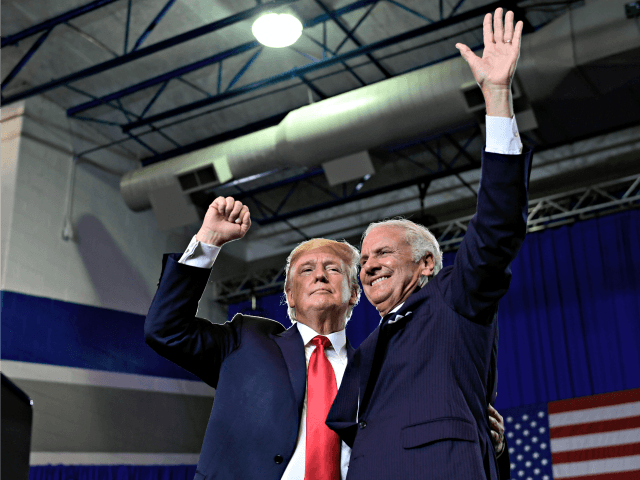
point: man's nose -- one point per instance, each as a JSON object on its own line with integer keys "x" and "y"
{"x": 320, "y": 275}
{"x": 370, "y": 266}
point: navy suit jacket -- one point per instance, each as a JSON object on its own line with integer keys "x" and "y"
{"x": 257, "y": 367}
{"x": 418, "y": 410}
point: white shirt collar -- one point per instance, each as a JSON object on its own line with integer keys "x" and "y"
{"x": 338, "y": 339}
{"x": 398, "y": 307}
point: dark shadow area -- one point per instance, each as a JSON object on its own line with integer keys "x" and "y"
{"x": 118, "y": 284}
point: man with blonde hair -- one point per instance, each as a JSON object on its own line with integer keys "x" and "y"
{"x": 274, "y": 387}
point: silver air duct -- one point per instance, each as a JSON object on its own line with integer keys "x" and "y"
{"x": 425, "y": 101}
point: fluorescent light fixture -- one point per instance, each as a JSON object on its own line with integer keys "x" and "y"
{"x": 277, "y": 30}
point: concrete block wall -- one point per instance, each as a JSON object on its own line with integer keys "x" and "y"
{"x": 73, "y": 310}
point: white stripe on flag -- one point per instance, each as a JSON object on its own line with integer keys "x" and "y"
{"x": 594, "y": 414}
{"x": 580, "y": 442}
{"x": 594, "y": 467}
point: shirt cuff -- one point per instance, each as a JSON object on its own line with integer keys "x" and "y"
{"x": 198, "y": 254}
{"x": 503, "y": 136}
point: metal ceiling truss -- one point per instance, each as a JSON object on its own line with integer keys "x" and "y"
{"x": 293, "y": 73}
{"x": 289, "y": 198}
{"x": 546, "y": 212}
{"x": 135, "y": 121}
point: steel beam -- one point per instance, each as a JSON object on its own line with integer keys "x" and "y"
{"x": 296, "y": 72}
{"x": 178, "y": 72}
{"x": 351, "y": 36}
{"x": 238, "y": 132}
{"x": 52, "y": 22}
{"x": 363, "y": 195}
{"x": 197, "y": 65}
{"x": 143, "y": 52}
{"x": 27, "y": 56}
{"x": 153, "y": 24}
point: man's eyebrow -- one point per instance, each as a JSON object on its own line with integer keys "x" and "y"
{"x": 308, "y": 262}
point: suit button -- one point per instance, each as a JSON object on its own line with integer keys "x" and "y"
{"x": 362, "y": 424}
{"x": 278, "y": 459}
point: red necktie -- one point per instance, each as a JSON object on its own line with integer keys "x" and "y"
{"x": 323, "y": 444}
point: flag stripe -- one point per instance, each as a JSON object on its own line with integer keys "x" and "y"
{"x": 596, "y": 453}
{"x": 592, "y": 467}
{"x": 601, "y": 400}
{"x": 595, "y": 427}
{"x": 629, "y": 475}
{"x": 595, "y": 414}
{"x": 595, "y": 440}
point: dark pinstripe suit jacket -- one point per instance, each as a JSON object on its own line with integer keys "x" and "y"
{"x": 413, "y": 402}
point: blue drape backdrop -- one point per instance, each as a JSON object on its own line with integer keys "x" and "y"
{"x": 570, "y": 322}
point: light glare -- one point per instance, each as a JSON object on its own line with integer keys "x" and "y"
{"x": 277, "y": 30}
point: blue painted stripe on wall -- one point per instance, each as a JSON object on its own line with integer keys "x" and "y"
{"x": 44, "y": 330}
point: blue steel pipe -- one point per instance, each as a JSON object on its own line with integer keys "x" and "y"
{"x": 23, "y": 61}
{"x": 52, "y": 22}
{"x": 143, "y": 52}
{"x": 178, "y": 72}
{"x": 296, "y": 72}
{"x": 153, "y": 24}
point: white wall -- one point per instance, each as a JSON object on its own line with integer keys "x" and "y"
{"x": 114, "y": 260}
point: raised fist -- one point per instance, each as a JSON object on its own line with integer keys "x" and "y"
{"x": 226, "y": 220}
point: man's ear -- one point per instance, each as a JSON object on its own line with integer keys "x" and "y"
{"x": 354, "y": 296}
{"x": 428, "y": 265}
{"x": 290, "y": 301}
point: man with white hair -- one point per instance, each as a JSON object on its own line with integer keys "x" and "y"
{"x": 274, "y": 387}
{"x": 413, "y": 403}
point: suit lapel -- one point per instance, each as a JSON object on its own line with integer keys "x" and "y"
{"x": 367, "y": 350}
{"x": 367, "y": 354}
{"x": 292, "y": 348}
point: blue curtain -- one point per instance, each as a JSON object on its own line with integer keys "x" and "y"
{"x": 570, "y": 323}
{"x": 112, "y": 472}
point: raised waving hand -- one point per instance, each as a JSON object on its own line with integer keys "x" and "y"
{"x": 494, "y": 71}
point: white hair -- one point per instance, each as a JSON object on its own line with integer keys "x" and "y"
{"x": 421, "y": 240}
{"x": 351, "y": 257}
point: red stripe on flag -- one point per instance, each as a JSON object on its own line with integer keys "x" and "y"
{"x": 595, "y": 427}
{"x": 629, "y": 475}
{"x": 602, "y": 400}
{"x": 598, "y": 453}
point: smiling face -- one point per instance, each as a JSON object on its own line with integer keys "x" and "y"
{"x": 319, "y": 289}
{"x": 388, "y": 273}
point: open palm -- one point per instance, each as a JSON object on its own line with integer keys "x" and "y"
{"x": 501, "y": 51}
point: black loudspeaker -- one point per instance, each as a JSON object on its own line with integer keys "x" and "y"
{"x": 17, "y": 416}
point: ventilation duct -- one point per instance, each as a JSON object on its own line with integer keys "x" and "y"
{"x": 429, "y": 100}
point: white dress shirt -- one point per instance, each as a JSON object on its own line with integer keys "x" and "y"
{"x": 337, "y": 356}
{"x": 502, "y": 137}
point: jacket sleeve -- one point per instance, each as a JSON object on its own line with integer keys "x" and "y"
{"x": 482, "y": 273}
{"x": 504, "y": 463}
{"x": 172, "y": 329}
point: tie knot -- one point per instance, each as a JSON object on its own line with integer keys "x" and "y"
{"x": 321, "y": 341}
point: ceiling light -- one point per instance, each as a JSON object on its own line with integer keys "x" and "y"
{"x": 277, "y": 30}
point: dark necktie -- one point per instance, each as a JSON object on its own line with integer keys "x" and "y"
{"x": 323, "y": 444}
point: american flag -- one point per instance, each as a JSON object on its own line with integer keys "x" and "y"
{"x": 587, "y": 438}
